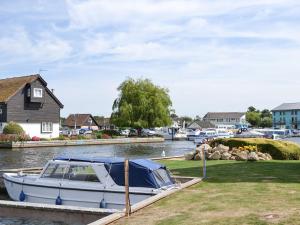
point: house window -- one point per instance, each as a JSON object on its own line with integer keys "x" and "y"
{"x": 47, "y": 127}
{"x": 37, "y": 92}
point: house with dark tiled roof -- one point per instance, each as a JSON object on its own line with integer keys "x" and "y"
{"x": 226, "y": 119}
{"x": 29, "y": 102}
{"x": 200, "y": 124}
{"x": 81, "y": 121}
{"x": 287, "y": 116}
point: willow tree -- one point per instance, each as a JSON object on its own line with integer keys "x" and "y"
{"x": 141, "y": 104}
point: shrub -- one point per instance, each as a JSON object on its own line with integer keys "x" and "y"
{"x": 111, "y": 132}
{"x": 13, "y": 137}
{"x": 13, "y": 128}
{"x": 105, "y": 136}
{"x": 35, "y": 138}
{"x": 277, "y": 149}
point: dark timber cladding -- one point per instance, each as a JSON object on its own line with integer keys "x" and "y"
{"x": 3, "y": 112}
{"x": 22, "y": 110}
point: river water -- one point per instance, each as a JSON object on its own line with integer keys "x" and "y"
{"x": 35, "y": 157}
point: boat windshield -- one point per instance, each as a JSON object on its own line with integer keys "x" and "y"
{"x": 162, "y": 177}
{"x": 72, "y": 172}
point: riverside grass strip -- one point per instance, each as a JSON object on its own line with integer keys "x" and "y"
{"x": 263, "y": 192}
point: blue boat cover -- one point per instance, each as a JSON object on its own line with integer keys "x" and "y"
{"x": 141, "y": 171}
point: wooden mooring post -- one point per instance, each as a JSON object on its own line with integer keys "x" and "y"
{"x": 127, "y": 199}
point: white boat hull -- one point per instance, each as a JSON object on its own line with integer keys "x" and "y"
{"x": 71, "y": 196}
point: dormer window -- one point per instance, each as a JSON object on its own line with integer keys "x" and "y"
{"x": 37, "y": 92}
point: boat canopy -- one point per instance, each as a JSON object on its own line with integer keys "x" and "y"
{"x": 142, "y": 172}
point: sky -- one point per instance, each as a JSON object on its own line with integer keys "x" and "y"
{"x": 212, "y": 55}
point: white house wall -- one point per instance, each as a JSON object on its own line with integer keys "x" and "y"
{"x": 34, "y": 129}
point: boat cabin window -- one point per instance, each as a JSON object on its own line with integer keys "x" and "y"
{"x": 57, "y": 171}
{"x": 162, "y": 177}
{"x": 82, "y": 173}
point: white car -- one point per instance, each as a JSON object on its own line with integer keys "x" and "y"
{"x": 125, "y": 132}
{"x": 148, "y": 132}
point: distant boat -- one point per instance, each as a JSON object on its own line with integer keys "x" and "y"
{"x": 213, "y": 134}
{"x": 89, "y": 182}
{"x": 171, "y": 133}
{"x": 192, "y": 134}
{"x": 275, "y": 133}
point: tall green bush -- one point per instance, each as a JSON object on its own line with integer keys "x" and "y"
{"x": 13, "y": 128}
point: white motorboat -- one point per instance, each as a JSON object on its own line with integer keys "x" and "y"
{"x": 192, "y": 134}
{"x": 169, "y": 133}
{"x": 89, "y": 182}
{"x": 275, "y": 134}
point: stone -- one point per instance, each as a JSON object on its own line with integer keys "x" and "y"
{"x": 232, "y": 158}
{"x": 269, "y": 157}
{"x": 222, "y": 148}
{"x": 206, "y": 147}
{"x": 252, "y": 156}
{"x": 225, "y": 156}
{"x": 261, "y": 158}
{"x": 260, "y": 154}
{"x": 215, "y": 155}
{"x": 189, "y": 155}
{"x": 198, "y": 156}
{"x": 241, "y": 156}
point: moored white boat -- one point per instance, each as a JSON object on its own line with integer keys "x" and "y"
{"x": 89, "y": 182}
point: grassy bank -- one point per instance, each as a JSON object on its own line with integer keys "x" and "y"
{"x": 265, "y": 192}
{"x": 277, "y": 149}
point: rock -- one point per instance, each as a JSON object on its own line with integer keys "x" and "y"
{"x": 225, "y": 156}
{"x": 261, "y": 158}
{"x": 260, "y": 154}
{"x": 269, "y": 157}
{"x": 198, "y": 156}
{"x": 206, "y": 147}
{"x": 189, "y": 155}
{"x": 215, "y": 155}
{"x": 222, "y": 148}
{"x": 207, "y": 155}
{"x": 253, "y": 156}
{"x": 235, "y": 149}
{"x": 241, "y": 156}
{"x": 232, "y": 158}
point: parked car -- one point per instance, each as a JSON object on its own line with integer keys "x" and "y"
{"x": 65, "y": 132}
{"x": 148, "y": 132}
{"x": 125, "y": 132}
{"x": 133, "y": 133}
{"x": 74, "y": 132}
{"x": 85, "y": 131}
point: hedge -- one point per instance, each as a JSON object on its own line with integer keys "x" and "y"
{"x": 284, "y": 150}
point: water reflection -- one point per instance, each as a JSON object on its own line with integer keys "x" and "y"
{"x": 35, "y": 157}
{"x": 23, "y": 221}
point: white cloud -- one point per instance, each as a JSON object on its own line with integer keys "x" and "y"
{"x": 18, "y": 45}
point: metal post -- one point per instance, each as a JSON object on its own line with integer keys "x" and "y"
{"x": 127, "y": 199}
{"x": 204, "y": 161}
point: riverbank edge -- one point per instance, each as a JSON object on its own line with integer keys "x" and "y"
{"x": 63, "y": 143}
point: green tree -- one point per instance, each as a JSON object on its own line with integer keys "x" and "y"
{"x": 251, "y": 109}
{"x": 253, "y": 118}
{"x": 266, "y": 122}
{"x": 141, "y": 104}
{"x": 266, "y": 113}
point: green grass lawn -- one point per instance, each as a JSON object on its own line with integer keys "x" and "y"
{"x": 265, "y": 192}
